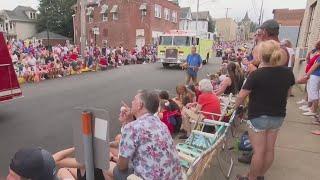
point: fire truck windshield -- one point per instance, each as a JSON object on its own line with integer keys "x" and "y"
{"x": 166, "y": 40}
{"x": 181, "y": 41}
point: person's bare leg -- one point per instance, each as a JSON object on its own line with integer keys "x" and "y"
{"x": 269, "y": 156}
{"x": 290, "y": 92}
{"x": 258, "y": 141}
{"x": 188, "y": 79}
{"x": 186, "y": 124}
{"x": 109, "y": 173}
{"x": 315, "y": 105}
{"x": 194, "y": 80}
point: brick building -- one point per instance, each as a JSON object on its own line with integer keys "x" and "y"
{"x": 288, "y": 17}
{"x": 290, "y": 21}
{"x": 130, "y": 23}
{"x": 309, "y": 34}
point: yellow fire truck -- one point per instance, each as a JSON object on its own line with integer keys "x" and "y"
{"x": 175, "y": 46}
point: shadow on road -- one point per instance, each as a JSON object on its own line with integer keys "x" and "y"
{"x": 171, "y": 67}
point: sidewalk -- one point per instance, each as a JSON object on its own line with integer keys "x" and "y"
{"x": 297, "y": 150}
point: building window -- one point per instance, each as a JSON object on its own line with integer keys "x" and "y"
{"x": 143, "y": 9}
{"x": 115, "y": 16}
{"x": 90, "y": 14}
{"x": 157, "y": 10}
{"x": 90, "y": 18}
{"x": 32, "y": 15}
{"x": 114, "y": 11}
{"x": 11, "y": 25}
{"x": 104, "y": 12}
{"x": 105, "y": 17}
{"x": 167, "y": 14}
{"x": 174, "y": 16}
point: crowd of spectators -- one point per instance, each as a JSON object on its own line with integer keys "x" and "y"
{"x": 33, "y": 62}
{"x": 311, "y": 79}
{"x": 260, "y": 77}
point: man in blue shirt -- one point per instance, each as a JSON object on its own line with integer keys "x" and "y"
{"x": 194, "y": 62}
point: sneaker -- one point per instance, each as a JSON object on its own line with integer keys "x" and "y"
{"x": 309, "y": 113}
{"x": 304, "y": 107}
{"x": 302, "y": 101}
{"x": 307, "y": 110}
{"x": 59, "y": 76}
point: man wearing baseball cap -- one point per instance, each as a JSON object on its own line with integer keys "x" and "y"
{"x": 269, "y": 31}
{"x": 32, "y": 163}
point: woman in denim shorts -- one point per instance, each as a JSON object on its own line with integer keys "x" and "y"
{"x": 267, "y": 88}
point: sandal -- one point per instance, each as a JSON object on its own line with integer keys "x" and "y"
{"x": 316, "y": 132}
{"x": 316, "y": 122}
{"x": 240, "y": 177}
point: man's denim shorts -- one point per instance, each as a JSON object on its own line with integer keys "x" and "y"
{"x": 264, "y": 123}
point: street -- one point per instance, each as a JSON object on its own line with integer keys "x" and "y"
{"x": 43, "y": 116}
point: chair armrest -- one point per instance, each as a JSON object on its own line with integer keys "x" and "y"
{"x": 209, "y": 135}
{"x": 209, "y": 113}
{"x": 214, "y": 123}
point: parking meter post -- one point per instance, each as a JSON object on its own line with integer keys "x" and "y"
{"x": 87, "y": 144}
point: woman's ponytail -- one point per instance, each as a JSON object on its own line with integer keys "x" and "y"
{"x": 275, "y": 57}
{"x": 270, "y": 52}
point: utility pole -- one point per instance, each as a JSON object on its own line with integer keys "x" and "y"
{"x": 227, "y": 11}
{"x": 83, "y": 38}
{"x": 197, "y": 17}
{"x": 47, "y": 26}
{"x": 260, "y": 16}
{"x": 226, "y": 30}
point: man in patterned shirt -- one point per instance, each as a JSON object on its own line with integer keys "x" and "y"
{"x": 146, "y": 143}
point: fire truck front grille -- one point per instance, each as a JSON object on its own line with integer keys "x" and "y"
{"x": 172, "y": 53}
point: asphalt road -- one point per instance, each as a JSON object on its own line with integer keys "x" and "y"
{"x": 42, "y": 118}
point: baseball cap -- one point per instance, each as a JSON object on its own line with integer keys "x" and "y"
{"x": 270, "y": 24}
{"x": 34, "y": 164}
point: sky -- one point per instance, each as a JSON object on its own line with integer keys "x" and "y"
{"x": 238, "y": 8}
{"x": 217, "y": 8}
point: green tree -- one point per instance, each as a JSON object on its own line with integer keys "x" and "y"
{"x": 57, "y": 16}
